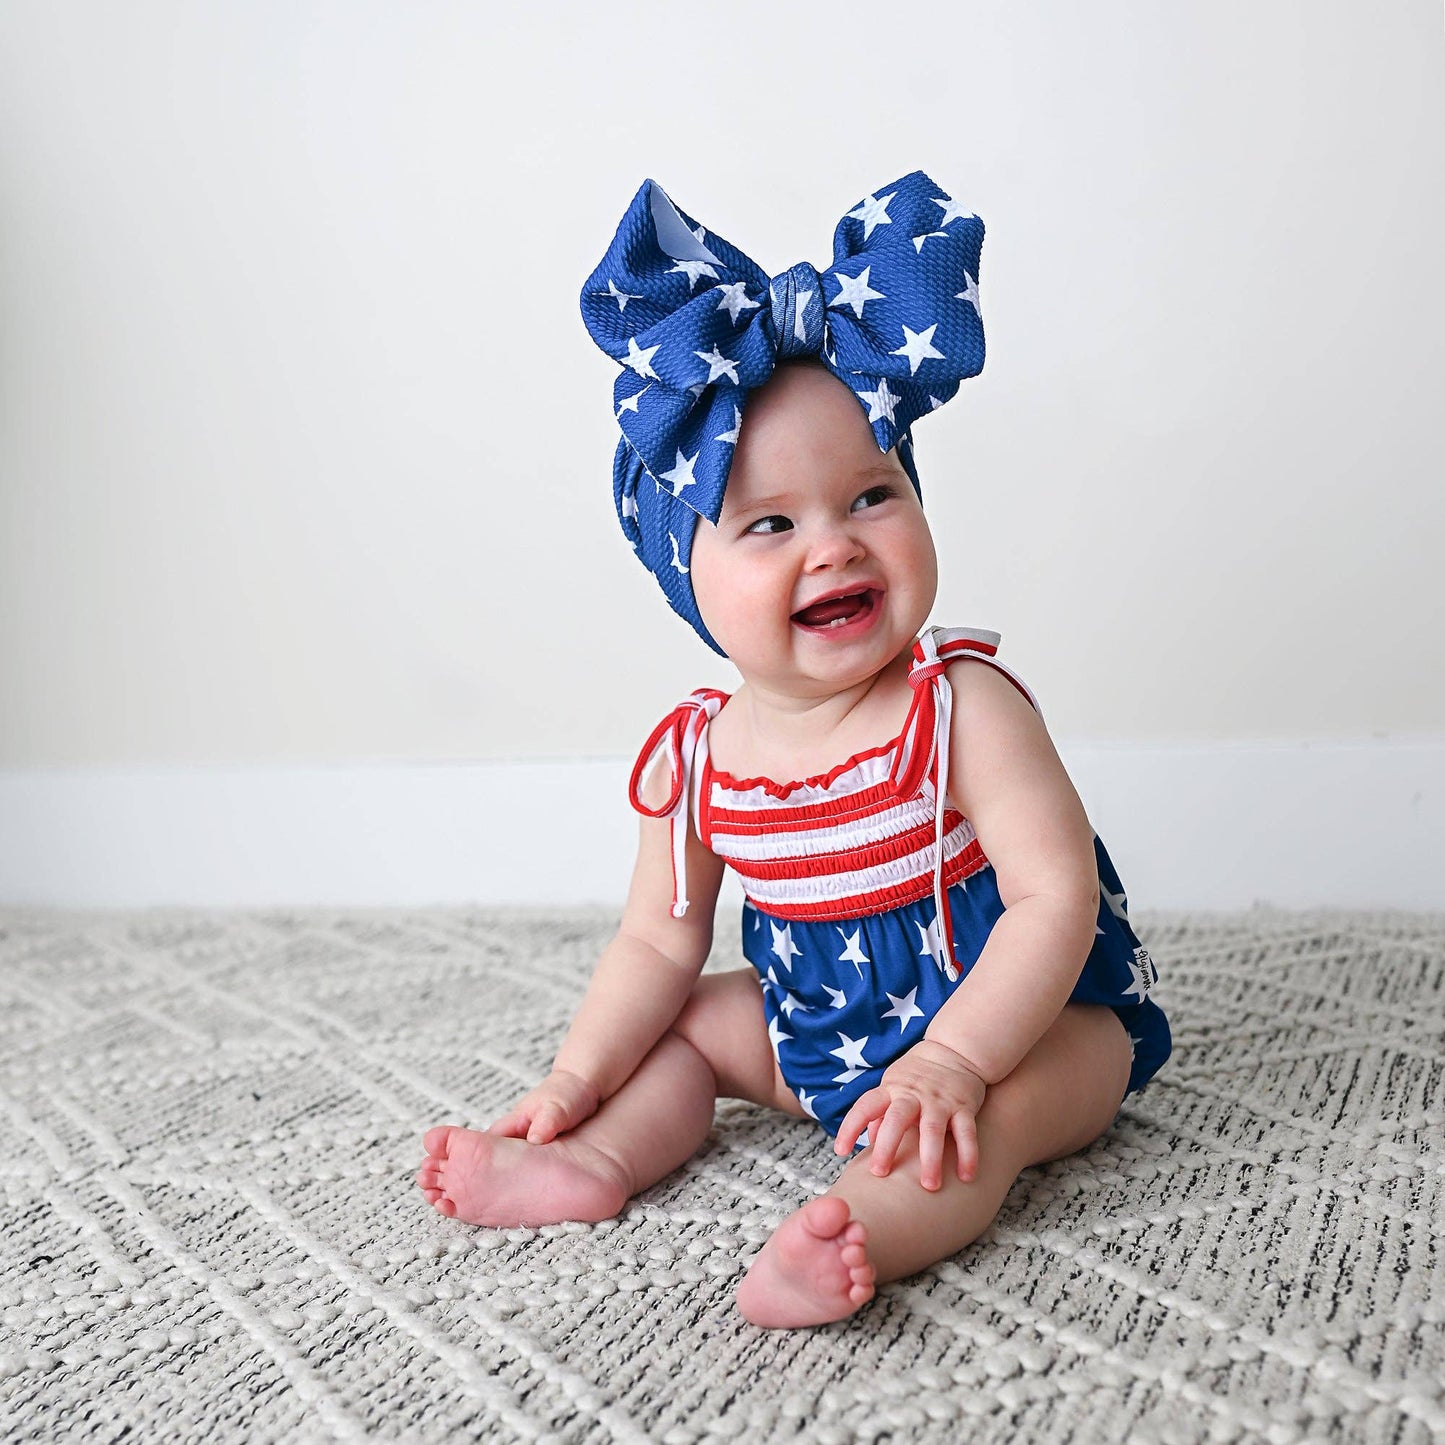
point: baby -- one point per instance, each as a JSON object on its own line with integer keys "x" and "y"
{"x": 942, "y": 973}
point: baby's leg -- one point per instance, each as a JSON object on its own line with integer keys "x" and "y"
{"x": 718, "y": 1045}
{"x": 1060, "y": 1098}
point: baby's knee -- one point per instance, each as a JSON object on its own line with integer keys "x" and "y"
{"x": 1066, "y": 1092}
{"x": 1107, "y": 1053}
{"x": 723, "y": 1020}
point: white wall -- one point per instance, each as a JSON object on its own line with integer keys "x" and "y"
{"x": 305, "y": 454}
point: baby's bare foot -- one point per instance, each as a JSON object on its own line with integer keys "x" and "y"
{"x": 494, "y": 1180}
{"x": 814, "y": 1269}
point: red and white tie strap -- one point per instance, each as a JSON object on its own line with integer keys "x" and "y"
{"x": 934, "y": 650}
{"x": 683, "y": 735}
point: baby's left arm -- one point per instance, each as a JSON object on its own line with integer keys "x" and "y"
{"x": 1006, "y": 778}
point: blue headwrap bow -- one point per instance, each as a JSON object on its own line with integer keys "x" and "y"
{"x": 895, "y": 318}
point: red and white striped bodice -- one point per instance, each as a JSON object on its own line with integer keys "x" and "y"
{"x": 874, "y": 833}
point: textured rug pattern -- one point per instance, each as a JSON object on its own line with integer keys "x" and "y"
{"x": 209, "y": 1124}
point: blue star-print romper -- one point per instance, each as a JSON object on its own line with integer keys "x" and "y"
{"x": 842, "y": 918}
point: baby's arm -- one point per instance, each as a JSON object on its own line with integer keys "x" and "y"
{"x": 642, "y": 980}
{"x": 1007, "y": 779}
{"x": 1009, "y": 782}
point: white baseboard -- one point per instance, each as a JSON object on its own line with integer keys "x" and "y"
{"x": 1206, "y": 826}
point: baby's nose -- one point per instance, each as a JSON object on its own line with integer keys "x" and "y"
{"x": 834, "y": 546}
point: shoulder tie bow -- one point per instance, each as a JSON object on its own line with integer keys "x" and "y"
{"x": 682, "y": 736}
{"x": 695, "y": 324}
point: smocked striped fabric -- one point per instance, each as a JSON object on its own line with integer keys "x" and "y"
{"x": 841, "y": 850}
{"x": 863, "y": 838}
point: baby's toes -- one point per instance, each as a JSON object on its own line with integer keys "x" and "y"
{"x": 434, "y": 1141}
{"x": 440, "y": 1203}
{"x": 860, "y": 1282}
{"x": 430, "y": 1173}
{"x": 854, "y": 1254}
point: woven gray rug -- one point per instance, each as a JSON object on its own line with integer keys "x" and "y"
{"x": 210, "y": 1231}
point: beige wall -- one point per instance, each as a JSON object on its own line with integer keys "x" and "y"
{"x": 304, "y": 452}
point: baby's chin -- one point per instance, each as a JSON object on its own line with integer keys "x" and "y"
{"x": 811, "y": 670}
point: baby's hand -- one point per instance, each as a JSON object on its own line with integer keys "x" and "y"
{"x": 930, "y": 1088}
{"x": 560, "y": 1102}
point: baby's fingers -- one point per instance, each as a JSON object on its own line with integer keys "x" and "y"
{"x": 891, "y": 1133}
{"x": 865, "y": 1107}
{"x": 547, "y": 1123}
{"x": 965, "y": 1138}
{"x": 510, "y": 1126}
{"x": 931, "y": 1135}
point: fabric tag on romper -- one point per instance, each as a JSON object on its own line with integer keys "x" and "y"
{"x": 1148, "y": 974}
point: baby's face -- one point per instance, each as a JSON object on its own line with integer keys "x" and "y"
{"x": 821, "y": 568}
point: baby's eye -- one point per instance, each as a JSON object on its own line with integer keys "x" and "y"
{"x": 765, "y": 525}
{"x": 872, "y": 497}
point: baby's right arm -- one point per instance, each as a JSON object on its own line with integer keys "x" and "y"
{"x": 641, "y": 982}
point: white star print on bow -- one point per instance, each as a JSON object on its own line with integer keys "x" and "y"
{"x": 735, "y": 299}
{"x": 880, "y": 402}
{"x": 639, "y": 360}
{"x": 926, "y": 236}
{"x": 681, "y": 474}
{"x": 693, "y": 270}
{"x": 918, "y": 346}
{"x": 622, "y": 297}
{"x": 855, "y": 290}
{"x": 952, "y": 210}
{"x": 629, "y": 403}
{"x": 719, "y": 365}
{"x": 873, "y": 212}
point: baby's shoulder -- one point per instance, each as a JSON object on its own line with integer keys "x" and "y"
{"x": 981, "y": 681}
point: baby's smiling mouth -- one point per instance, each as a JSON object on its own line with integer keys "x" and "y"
{"x": 838, "y": 608}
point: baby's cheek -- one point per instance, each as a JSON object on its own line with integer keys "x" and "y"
{"x": 733, "y": 611}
